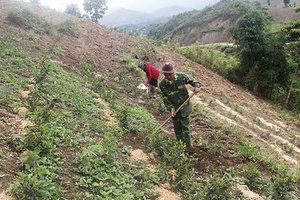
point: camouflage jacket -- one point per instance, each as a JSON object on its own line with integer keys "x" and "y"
{"x": 174, "y": 94}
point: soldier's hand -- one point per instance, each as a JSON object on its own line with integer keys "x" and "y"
{"x": 196, "y": 90}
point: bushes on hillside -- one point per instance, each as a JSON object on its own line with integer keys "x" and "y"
{"x": 27, "y": 19}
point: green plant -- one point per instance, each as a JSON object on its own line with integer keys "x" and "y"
{"x": 31, "y": 37}
{"x": 134, "y": 119}
{"x": 253, "y": 177}
{"x": 246, "y": 149}
{"x": 69, "y": 27}
{"x": 38, "y": 180}
{"x": 220, "y": 187}
{"x": 7, "y": 98}
{"x": 204, "y": 144}
{"x": 54, "y": 49}
{"x": 29, "y": 158}
{"x": 132, "y": 64}
{"x": 34, "y": 186}
{"x": 95, "y": 8}
{"x": 105, "y": 176}
{"x": 27, "y": 19}
{"x": 217, "y": 147}
{"x": 73, "y": 9}
{"x": 288, "y": 149}
{"x": 175, "y": 165}
{"x": 144, "y": 51}
{"x": 283, "y": 183}
{"x": 210, "y": 57}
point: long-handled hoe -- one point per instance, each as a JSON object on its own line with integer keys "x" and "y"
{"x": 178, "y": 109}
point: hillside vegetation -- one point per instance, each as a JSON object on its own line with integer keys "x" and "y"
{"x": 258, "y": 51}
{"x": 211, "y": 24}
{"x": 72, "y": 119}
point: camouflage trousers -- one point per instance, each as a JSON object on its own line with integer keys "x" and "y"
{"x": 182, "y": 128}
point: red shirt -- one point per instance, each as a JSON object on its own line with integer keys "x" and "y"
{"x": 151, "y": 73}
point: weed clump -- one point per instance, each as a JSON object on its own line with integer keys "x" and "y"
{"x": 27, "y": 19}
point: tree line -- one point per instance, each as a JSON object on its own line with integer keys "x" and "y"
{"x": 269, "y": 62}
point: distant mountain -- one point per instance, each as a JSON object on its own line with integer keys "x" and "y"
{"x": 169, "y": 11}
{"x": 123, "y": 16}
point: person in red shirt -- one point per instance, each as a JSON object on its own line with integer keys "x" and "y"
{"x": 152, "y": 74}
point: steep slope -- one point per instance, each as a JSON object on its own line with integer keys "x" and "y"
{"x": 211, "y": 24}
{"x": 219, "y": 104}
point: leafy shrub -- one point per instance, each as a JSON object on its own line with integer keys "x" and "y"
{"x": 132, "y": 64}
{"x": 40, "y": 139}
{"x": 210, "y": 57}
{"x": 246, "y": 149}
{"x": 283, "y": 183}
{"x": 175, "y": 164}
{"x": 253, "y": 177}
{"x": 69, "y": 27}
{"x": 34, "y": 186}
{"x": 107, "y": 177}
{"x": 135, "y": 119}
{"x": 7, "y": 98}
{"x": 26, "y": 19}
{"x": 220, "y": 188}
{"x": 38, "y": 179}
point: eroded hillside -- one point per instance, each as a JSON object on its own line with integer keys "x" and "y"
{"x": 212, "y": 24}
{"x": 224, "y": 114}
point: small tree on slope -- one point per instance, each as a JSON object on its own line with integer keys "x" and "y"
{"x": 96, "y": 8}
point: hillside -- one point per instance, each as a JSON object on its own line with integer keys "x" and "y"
{"x": 211, "y": 24}
{"x": 99, "y": 120}
{"x": 122, "y": 17}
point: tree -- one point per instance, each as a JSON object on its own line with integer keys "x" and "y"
{"x": 249, "y": 37}
{"x": 96, "y": 8}
{"x": 292, "y": 34}
{"x": 263, "y": 65}
{"x": 287, "y": 3}
{"x": 73, "y": 9}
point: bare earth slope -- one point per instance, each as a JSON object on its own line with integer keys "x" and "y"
{"x": 223, "y": 101}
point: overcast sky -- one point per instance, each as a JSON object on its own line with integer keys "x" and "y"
{"x": 140, "y": 5}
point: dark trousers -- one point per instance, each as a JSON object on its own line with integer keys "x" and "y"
{"x": 153, "y": 82}
{"x": 182, "y": 128}
{"x": 153, "y": 87}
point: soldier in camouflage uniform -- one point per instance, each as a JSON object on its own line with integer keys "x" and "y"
{"x": 174, "y": 94}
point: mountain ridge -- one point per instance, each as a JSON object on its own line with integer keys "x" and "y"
{"x": 124, "y": 16}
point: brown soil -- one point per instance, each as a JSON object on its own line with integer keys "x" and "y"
{"x": 224, "y": 102}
